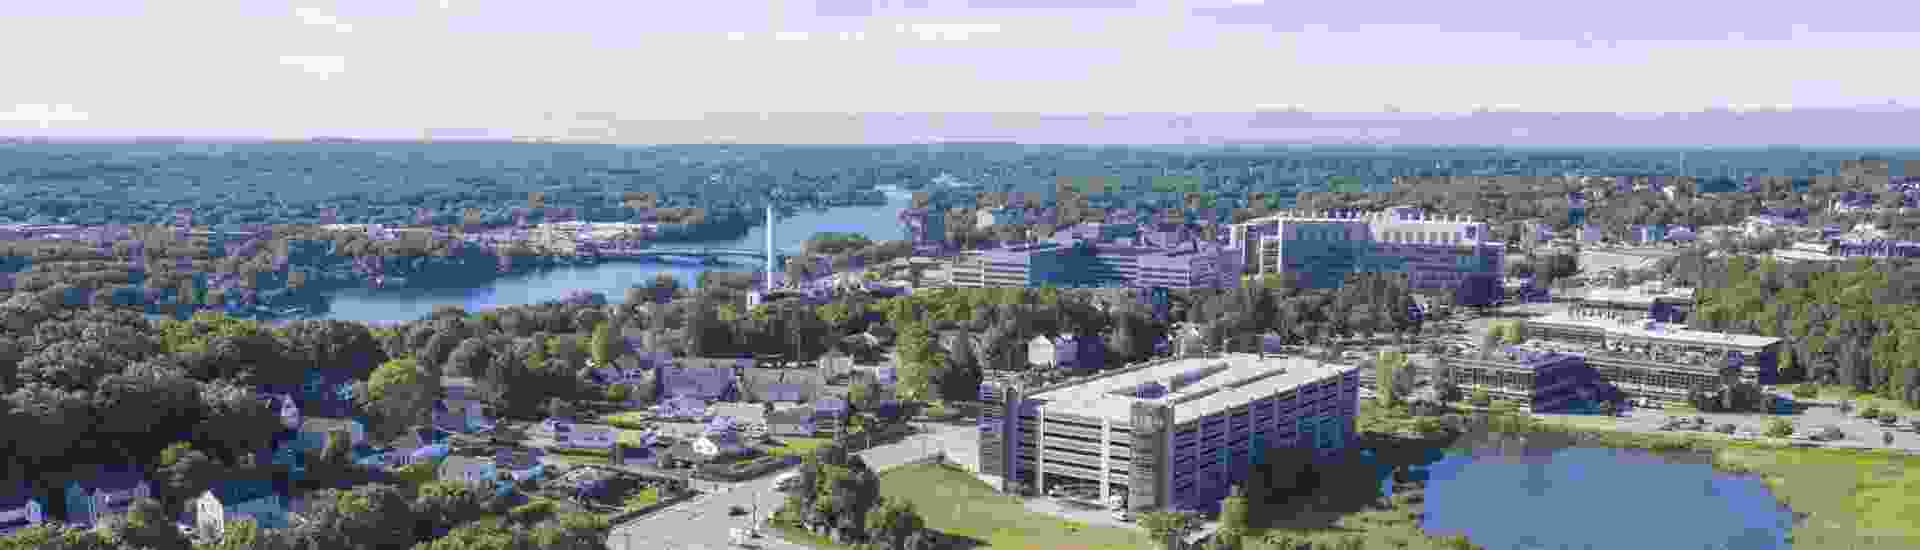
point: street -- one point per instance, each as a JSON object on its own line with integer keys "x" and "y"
{"x": 702, "y": 523}
{"x": 1860, "y": 433}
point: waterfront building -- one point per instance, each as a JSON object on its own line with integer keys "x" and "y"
{"x": 1095, "y": 257}
{"x": 1548, "y": 382}
{"x": 1754, "y": 357}
{"x": 1176, "y": 432}
{"x": 1434, "y": 252}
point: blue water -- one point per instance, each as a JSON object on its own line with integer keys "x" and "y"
{"x": 1601, "y": 499}
{"x": 612, "y": 278}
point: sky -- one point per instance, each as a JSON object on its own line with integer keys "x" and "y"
{"x": 665, "y": 71}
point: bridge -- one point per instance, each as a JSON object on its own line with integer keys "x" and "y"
{"x": 707, "y": 253}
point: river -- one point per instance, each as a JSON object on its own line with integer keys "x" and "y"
{"x": 390, "y": 305}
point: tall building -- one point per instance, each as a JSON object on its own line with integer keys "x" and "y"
{"x": 1169, "y": 433}
{"x": 770, "y": 256}
{"x": 1435, "y": 253}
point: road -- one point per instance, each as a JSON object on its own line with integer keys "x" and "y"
{"x": 703, "y": 522}
{"x": 1860, "y": 433}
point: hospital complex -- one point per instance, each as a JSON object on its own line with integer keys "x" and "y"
{"x": 1181, "y": 431}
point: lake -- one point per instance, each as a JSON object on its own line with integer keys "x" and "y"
{"x": 1525, "y": 497}
{"x": 386, "y": 305}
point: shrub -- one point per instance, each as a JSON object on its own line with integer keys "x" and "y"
{"x": 532, "y": 512}
{"x": 1870, "y": 413}
{"x": 1779, "y": 428}
{"x": 618, "y": 393}
{"x": 1806, "y": 391}
{"x": 624, "y": 423}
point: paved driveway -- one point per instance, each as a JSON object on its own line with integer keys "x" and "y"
{"x": 702, "y": 523}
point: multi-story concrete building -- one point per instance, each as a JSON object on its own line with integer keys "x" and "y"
{"x": 1755, "y": 357}
{"x": 1092, "y": 259}
{"x": 1170, "y": 433}
{"x": 1650, "y": 301}
{"x": 1549, "y": 382}
{"x": 1435, "y": 253}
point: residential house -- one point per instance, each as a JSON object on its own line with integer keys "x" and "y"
{"x": 231, "y": 499}
{"x": 705, "y": 383}
{"x": 1079, "y": 352}
{"x": 469, "y": 469}
{"x": 781, "y": 385}
{"x": 828, "y": 415}
{"x": 718, "y": 444}
{"x": 791, "y": 421}
{"x": 681, "y": 406}
{"x": 636, "y": 455}
{"x": 100, "y": 492}
{"x": 20, "y": 508}
{"x": 313, "y": 431}
{"x": 461, "y": 409}
{"x": 584, "y": 435}
{"x": 1040, "y": 352}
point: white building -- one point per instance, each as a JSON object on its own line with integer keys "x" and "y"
{"x": 1172, "y": 432}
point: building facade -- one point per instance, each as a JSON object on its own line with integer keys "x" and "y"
{"x": 1435, "y": 253}
{"x": 1169, "y": 433}
{"x": 1755, "y": 358}
{"x": 1096, "y": 258}
{"x": 1548, "y": 382}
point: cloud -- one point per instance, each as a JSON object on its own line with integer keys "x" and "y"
{"x": 317, "y": 18}
{"x": 948, "y": 32}
{"x": 44, "y": 114}
{"x": 323, "y": 66}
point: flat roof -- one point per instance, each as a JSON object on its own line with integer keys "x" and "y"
{"x": 1663, "y": 332}
{"x": 1238, "y": 378}
{"x": 1633, "y": 295}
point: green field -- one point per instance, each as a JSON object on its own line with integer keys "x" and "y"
{"x": 954, "y": 502}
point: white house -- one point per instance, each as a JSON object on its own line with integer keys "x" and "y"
{"x": 234, "y": 499}
{"x": 1040, "y": 351}
{"x": 583, "y": 435}
{"x": 468, "y": 469}
{"x": 721, "y": 443}
{"x": 792, "y": 421}
{"x": 20, "y": 509}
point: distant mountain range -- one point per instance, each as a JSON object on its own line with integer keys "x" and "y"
{"x": 1873, "y": 127}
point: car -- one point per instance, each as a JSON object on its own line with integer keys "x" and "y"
{"x": 1123, "y": 515}
{"x": 736, "y": 510}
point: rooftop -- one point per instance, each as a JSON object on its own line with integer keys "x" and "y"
{"x": 1195, "y": 386}
{"x": 1658, "y": 331}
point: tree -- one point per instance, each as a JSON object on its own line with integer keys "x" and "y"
{"x": 368, "y": 516}
{"x": 1391, "y": 378}
{"x": 183, "y": 473}
{"x": 1481, "y": 398}
{"x": 400, "y": 394}
{"x": 560, "y": 408}
{"x": 1234, "y": 520}
{"x": 618, "y": 393}
{"x": 236, "y": 421}
{"x": 1167, "y": 525}
{"x": 148, "y": 527}
{"x": 1779, "y": 427}
{"x": 480, "y": 535}
{"x": 960, "y": 380}
{"x": 571, "y": 531}
{"x": 605, "y": 344}
{"x": 1446, "y": 379}
{"x": 891, "y": 522}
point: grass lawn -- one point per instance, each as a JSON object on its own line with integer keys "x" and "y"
{"x": 954, "y": 502}
{"x": 642, "y": 498}
{"x": 796, "y": 446}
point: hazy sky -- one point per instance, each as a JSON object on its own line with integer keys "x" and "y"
{"x": 395, "y": 67}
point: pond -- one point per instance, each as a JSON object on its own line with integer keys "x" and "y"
{"x": 1532, "y": 492}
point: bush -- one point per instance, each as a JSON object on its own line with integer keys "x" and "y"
{"x": 618, "y": 393}
{"x": 1779, "y": 428}
{"x": 624, "y": 423}
{"x": 1806, "y": 391}
{"x": 532, "y": 512}
{"x": 1870, "y": 413}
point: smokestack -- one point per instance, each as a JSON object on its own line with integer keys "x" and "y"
{"x": 769, "y": 246}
